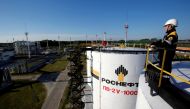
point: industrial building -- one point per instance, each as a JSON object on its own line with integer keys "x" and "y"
{"x": 26, "y": 47}
{"x": 6, "y": 55}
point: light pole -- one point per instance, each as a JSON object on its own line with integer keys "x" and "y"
{"x": 126, "y": 28}
{"x": 104, "y": 36}
{"x": 96, "y": 39}
{"x": 59, "y": 44}
{"x": 104, "y": 43}
{"x": 86, "y": 39}
{"x": 110, "y": 40}
{"x": 47, "y": 45}
{"x": 70, "y": 41}
{"x": 26, "y": 34}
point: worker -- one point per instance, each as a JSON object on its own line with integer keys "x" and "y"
{"x": 169, "y": 43}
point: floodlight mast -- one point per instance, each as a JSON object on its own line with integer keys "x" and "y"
{"x": 105, "y": 36}
{"x": 47, "y": 46}
{"x": 96, "y": 39}
{"x": 126, "y": 28}
{"x": 86, "y": 39}
{"x": 26, "y": 34}
{"x": 59, "y": 44}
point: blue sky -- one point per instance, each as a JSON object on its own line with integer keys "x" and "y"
{"x": 48, "y": 19}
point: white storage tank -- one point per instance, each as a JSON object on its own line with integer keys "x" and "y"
{"x": 115, "y": 77}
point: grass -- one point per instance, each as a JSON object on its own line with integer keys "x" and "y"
{"x": 34, "y": 63}
{"x": 30, "y": 95}
{"x": 58, "y": 66}
{"x": 23, "y": 95}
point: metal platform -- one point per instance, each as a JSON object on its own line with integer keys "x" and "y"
{"x": 181, "y": 69}
{"x": 173, "y": 94}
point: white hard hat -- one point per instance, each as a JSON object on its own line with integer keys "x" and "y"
{"x": 172, "y": 22}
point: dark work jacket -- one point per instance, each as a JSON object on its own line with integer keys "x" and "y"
{"x": 169, "y": 43}
{"x": 170, "y": 40}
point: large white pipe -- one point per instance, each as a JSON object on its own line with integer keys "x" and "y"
{"x": 89, "y": 66}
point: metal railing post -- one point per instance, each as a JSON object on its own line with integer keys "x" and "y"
{"x": 162, "y": 69}
{"x": 147, "y": 56}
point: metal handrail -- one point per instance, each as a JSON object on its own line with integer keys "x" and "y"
{"x": 161, "y": 69}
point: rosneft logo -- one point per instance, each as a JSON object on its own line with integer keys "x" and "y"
{"x": 121, "y": 72}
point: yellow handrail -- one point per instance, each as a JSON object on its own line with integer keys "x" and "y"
{"x": 178, "y": 78}
{"x": 162, "y": 70}
{"x": 173, "y": 75}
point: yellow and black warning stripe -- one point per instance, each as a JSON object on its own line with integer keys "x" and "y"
{"x": 95, "y": 74}
{"x": 172, "y": 34}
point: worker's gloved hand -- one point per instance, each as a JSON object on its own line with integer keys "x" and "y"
{"x": 149, "y": 47}
{"x": 152, "y": 46}
{"x": 157, "y": 43}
